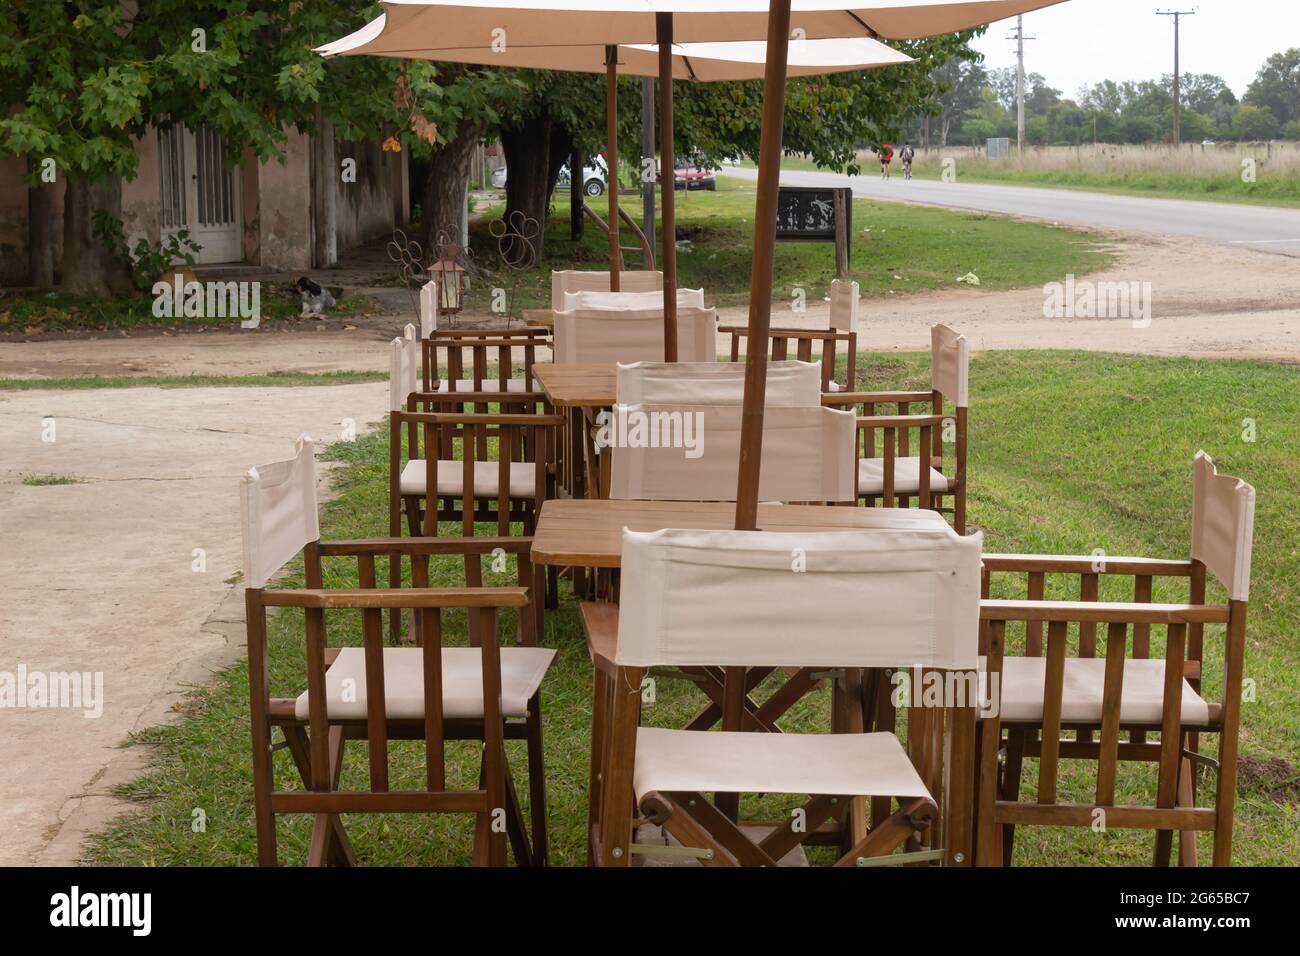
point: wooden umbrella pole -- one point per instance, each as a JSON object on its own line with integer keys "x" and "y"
{"x": 611, "y": 128}
{"x": 667, "y": 181}
{"x": 760, "y": 284}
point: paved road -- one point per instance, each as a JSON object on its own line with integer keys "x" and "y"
{"x": 1265, "y": 228}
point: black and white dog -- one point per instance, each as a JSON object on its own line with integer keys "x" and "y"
{"x": 315, "y": 299}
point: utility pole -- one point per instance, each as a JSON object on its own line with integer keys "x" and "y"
{"x": 1020, "y": 38}
{"x": 1178, "y": 107}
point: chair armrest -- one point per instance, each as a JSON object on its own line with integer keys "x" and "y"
{"x": 495, "y": 398}
{"x": 1096, "y": 612}
{"x": 1087, "y": 564}
{"x": 859, "y": 398}
{"x": 458, "y": 545}
{"x": 899, "y": 421}
{"x": 379, "y": 598}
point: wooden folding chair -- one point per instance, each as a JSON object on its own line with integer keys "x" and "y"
{"x": 808, "y": 453}
{"x": 830, "y": 341}
{"x": 434, "y": 485}
{"x": 714, "y": 383}
{"x": 573, "y": 280}
{"x": 634, "y": 335}
{"x": 889, "y": 475}
{"x": 1126, "y": 691}
{"x": 461, "y": 360}
{"x": 686, "y": 298}
{"x": 434, "y": 693}
{"x": 861, "y": 600}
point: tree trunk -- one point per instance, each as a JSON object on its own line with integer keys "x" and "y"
{"x": 529, "y": 176}
{"x": 443, "y": 209}
{"x": 89, "y": 266}
{"x": 40, "y": 234}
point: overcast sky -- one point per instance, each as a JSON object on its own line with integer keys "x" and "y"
{"x": 1081, "y": 42}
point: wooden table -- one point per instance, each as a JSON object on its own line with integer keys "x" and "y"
{"x": 588, "y": 532}
{"x": 578, "y": 384}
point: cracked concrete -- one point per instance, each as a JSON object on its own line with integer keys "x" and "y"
{"x": 98, "y": 576}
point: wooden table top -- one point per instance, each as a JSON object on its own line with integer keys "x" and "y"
{"x": 539, "y": 318}
{"x": 588, "y": 532}
{"x": 578, "y": 384}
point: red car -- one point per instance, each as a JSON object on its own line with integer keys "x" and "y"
{"x": 687, "y": 175}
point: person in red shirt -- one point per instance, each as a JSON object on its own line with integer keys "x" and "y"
{"x": 886, "y": 155}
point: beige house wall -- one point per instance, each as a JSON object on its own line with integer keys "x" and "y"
{"x": 276, "y": 204}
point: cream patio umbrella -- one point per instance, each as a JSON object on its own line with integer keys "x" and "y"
{"x": 691, "y": 62}
{"x": 425, "y": 27}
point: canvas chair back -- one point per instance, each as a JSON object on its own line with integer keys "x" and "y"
{"x": 572, "y": 280}
{"x": 950, "y": 365}
{"x": 857, "y": 599}
{"x": 1223, "y": 524}
{"x": 428, "y": 308}
{"x": 277, "y": 512}
{"x": 403, "y": 371}
{"x": 715, "y": 383}
{"x": 844, "y": 305}
{"x": 629, "y": 300}
{"x": 633, "y": 335}
{"x": 808, "y": 453}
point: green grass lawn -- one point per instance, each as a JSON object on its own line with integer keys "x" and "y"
{"x": 1069, "y": 452}
{"x": 1279, "y": 190}
{"x": 895, "y": 250}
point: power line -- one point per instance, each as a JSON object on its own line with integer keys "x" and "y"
{"x": 1178, "y": 108}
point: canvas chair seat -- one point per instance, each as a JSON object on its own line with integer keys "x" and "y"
{"x": 855, "y": 765}
{"x": 522, "y": 670}
{"x": 907, "y": 477}
{"x": 487, "y": 385}
{"x": 1141, "y": 701}
{"x": 451, "y": 478}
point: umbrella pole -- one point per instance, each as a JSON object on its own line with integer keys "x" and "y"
{"x": 611, "y": 129}
{"x": 668, "y": 181}
{"x": 760, "y": 285}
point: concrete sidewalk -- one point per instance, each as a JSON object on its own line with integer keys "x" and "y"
{"x": 101, "y": 577}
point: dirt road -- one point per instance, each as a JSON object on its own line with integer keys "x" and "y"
{"x": 127, "y": 574}
{"x": 1208, "y": 300}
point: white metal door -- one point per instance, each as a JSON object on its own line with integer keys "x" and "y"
{"x": 198, "y": 193}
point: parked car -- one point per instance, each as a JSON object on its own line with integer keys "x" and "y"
{"x": 687, "y": 175}
{"x": 593, "y": 178}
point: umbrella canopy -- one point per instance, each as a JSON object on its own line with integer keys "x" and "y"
{"x": 414, "y": 26}
{"x": 698, "y": 62}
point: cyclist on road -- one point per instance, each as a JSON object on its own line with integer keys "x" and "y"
{"x": 907, "y": 155}
{"x": 886, "y": 156}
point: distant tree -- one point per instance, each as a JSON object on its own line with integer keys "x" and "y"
{"x": 1003, "y": 83}
{"x": 1106, "y": 96}
{"x": 1291, "y": 130}
{"x": 961, "y": 83}
{"x": 1277, "y": 86}
{"x": 1254, "y": 122}
{"x": 1039, "y": 97}
{"x": 1200, "y": 91}
{"x": 1067, "y": 124}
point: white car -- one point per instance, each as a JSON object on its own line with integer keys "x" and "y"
{"x": 593, "y": 177}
